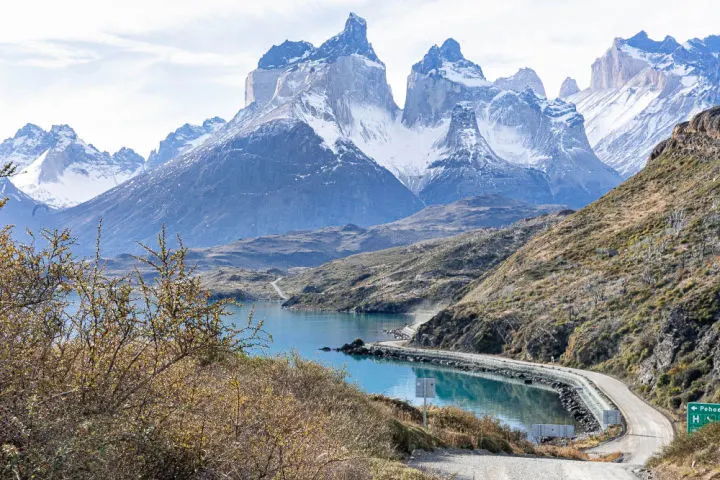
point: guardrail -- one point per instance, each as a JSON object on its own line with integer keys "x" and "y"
{"x": 587, "y": 391}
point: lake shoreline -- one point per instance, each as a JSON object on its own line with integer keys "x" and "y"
{"x": 570, "y": 398}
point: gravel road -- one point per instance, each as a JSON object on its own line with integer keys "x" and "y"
{"x": 279, "y": 290}
{"x": 474, "y": 466}
{"x": 648, "y": 431}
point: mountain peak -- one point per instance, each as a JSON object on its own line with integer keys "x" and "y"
{"x": 63, "y": 131}
{"x": 448, "y": 53}
{"x": 522, "y": 80}
{"x": 568, "y": 87}
{"x": 463, "y": 132}
{"x": 352, "y": 40}
{"x": 642, "y": 41}
{"x": 213, "y": 124}
{"x": 284, "y": 54}
{"x": 450, "y": 50}
{"x": 355, "y": 21}
{"x": 128, "y": 159}
{"x": 29, "y": 130}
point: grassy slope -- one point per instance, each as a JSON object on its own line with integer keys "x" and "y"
{"x": 402, "y": 279}
{"x": 691, "y": 456}
{"x": 630, "y": 284}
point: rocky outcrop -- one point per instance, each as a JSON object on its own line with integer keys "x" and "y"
{"x": 568, "y": 87}
{"x": 182, "y": 141}
{"x": 441, "y": 80}
{"x": 469, "y": 167}
{"x": 520, "y": 127}
{"x": 640, "y": 89}
{"x": 523, "y": 79}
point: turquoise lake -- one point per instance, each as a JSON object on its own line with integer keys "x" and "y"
{"x": 515, "y": 403}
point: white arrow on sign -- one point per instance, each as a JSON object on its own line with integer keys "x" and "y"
{"x": 693, "y": 407}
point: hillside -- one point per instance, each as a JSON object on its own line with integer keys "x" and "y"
{"x": 401, "y": 279}
{"x": 310, "y": 248}
{"x": 629, "y": 284}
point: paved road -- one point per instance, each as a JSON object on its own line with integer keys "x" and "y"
{"x": 648, "y": 431}
{"x": 278, "y": 290}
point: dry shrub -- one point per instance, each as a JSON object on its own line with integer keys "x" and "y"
{"x": 700, "y": 449}
{"x": 117, "y": 378}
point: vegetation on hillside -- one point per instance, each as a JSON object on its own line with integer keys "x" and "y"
{"x": 401, "y": 279}
{"x": 139, "y": 377}
{"x": 695, "y": 455}
{"x": 629, "y": 284}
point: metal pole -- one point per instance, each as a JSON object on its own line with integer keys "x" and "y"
{"x": 425, "y": 404}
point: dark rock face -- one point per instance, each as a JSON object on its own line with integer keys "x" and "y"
{"x": 676, "y": 335}
{"x": 279, "y": 178}
{"x": 356, "y": 347}
{"x": 568, "y": 87}
{"x": 707, "y": 122}
{"x": 662, "y": 82}
{"x": 470, "y": 167}
{"x": 449, "y": 51}
{"x": 127, "y": 159}
{"x": 284, "y": 54}
{"x": 523, "y": 79}
{"x": 699, "y": 136}
{"x": 352, "y": 40}
{"x": 182, "y": 140}
{"x": 548, "y": 136}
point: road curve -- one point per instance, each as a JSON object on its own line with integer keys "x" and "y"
{"x": 648, "y": 430}
{"x": 278, "y": 290}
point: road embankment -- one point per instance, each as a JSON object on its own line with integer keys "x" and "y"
{"x": 646, "y": 429}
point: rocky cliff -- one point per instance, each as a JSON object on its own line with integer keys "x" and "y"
{"x": 640, "y": 88}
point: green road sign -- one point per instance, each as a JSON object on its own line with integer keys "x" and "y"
{"x": 700, "y": 414}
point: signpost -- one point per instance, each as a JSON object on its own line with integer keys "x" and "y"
{"x": 700, "y": 414}
{"x": 611, "y": 417}
{"x": 425, "y": 388}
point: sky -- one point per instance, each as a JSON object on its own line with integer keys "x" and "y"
{"x": 126, "y": 73}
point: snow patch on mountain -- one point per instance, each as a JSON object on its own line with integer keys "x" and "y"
{"x": 61, "y": 170}
{"x": 183, "y": 140}
{"x": 569, "y": 87}
{"x": 522, "y": 80}
{"x": 640, "y": 89}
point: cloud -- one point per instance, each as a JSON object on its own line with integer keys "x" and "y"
{"x": 126, "y": 73}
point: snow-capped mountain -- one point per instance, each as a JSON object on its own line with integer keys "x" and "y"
{"x": 467, "y": 166}
{"x": 522, "y": 80}
{"x": 569, "y": 87}
{"x": 183, "y": 140}
{"x": 321, "y": 142}
{"x": 282, "y": 163}
{"x": 59, "y": 169}
{"x": 521, "y": 127}
{"x": 640, "y": 89}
